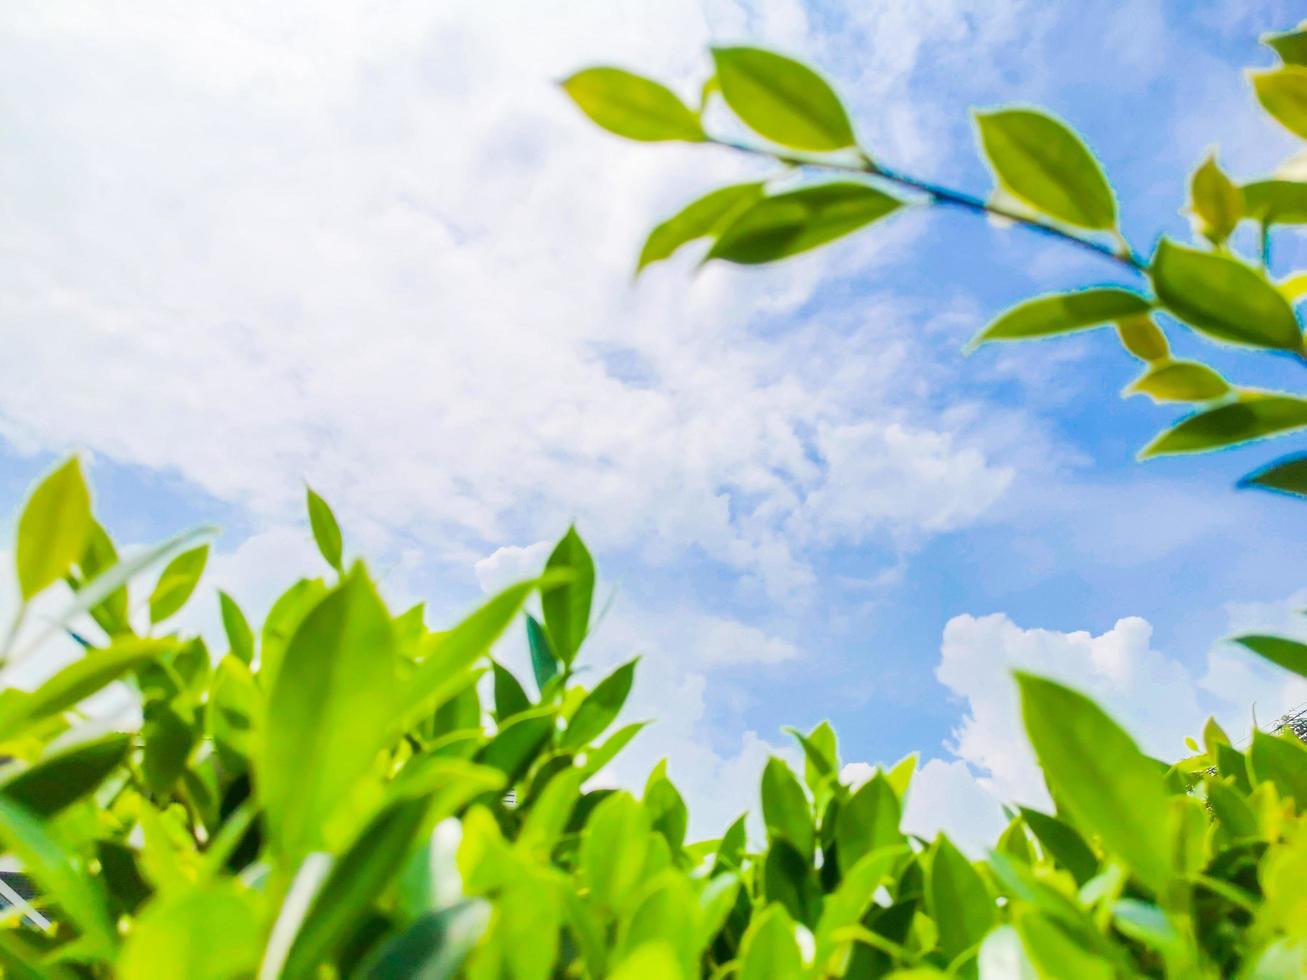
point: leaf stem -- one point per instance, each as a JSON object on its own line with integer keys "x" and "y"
{"x": 941, "y": 195}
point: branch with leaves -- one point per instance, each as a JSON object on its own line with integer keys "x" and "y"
{"x": 1047, "y": 181}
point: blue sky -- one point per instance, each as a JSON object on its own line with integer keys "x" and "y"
{"x": 376, "y": 249}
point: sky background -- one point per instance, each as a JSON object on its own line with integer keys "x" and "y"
{"x": 373, "y": 247}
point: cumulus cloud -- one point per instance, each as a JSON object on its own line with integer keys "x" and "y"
{"x": 1155, "y": 696}
{"x": 380, "y": 250}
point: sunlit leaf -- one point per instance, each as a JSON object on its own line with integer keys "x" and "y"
{"x": 1179, "y": 381}
{"x": 1287, "y": 653}
{"x": 1223, "y": 298}
{"x": 633, "y": 106}
{"x": 600, "y": 707}
{"x": 1281, "y": 202}
{"x": 567, "y": 605}
{"x": 1283, "y": 93}
{"x": 1252, "y": 417}
{"x": 210, "y": 933}
{"x": 1063, "y": 843}
{"x": 509, "y": 696}
{"x": 1040, "y": 160}
{"x": 1056, "y": 951}
{"x": 1063, "y": 313}
{"x": 1281, "y": 760}
{"x": 785, "y": 807}
{"x": 53, "y": 528}
{"x": 786, "y": 224}
{"x": 782, "y": 100}
{"x": 1097, "y": 772}
{"x": 868, "y": 820}
{"x": 770, "y": 950}
{"x": 176, "y": 583}
{"x": 1215, "y": 201}
{"x": 326, "y": 532}
{"x": 960, "y": 902}
{"x": 1142, "y": 337}
{"x": 613, "y": 848}
{"x": 707, "y": 216}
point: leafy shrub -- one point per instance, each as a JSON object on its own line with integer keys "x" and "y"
{"x": 331, "y": 797}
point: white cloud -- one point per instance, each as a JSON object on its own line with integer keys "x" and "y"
{"x": 383, "y": 252}
{"x": 1154, "y": 696}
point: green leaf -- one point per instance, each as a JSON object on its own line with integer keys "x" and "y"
{"x": 613, "y": 848}
{"x": 544, "y": 665}
{"x": 443, "y": 671}
{"x": 598, "y": 757}
{"x": 516, "y": 745}
{"x": 1233, "y": 810}
{"x": 1063, "y": 844}
{"x": 1283, "y": 93}
{"x": 1223, "y": 298}
{"x": 433, "y": 947}
{"x": 786, "y": 224}
{"x": 785, "y": 807}
{"x": 330, "y": 709}
{"x": 600, "y": 707}
{"x": 782, "y": 100}
{"x": 169, "y": 737}
{"x": 960, "y": 902}
{"x": 1288, "y": 475}
{"x": 80, "y": 899}
{"x": 854, "y": 894}
{"x": 510, "y": 699}
{"x": 1061, "y": 313}
{"x": 99, "y": 556}
{"x": 1279, "y": 202}
{"x": 1056, "y": 952}
{"x": 788, "y": 879}
{"x": 547, "y": 818}
{"x": 633, "y": 106}
{"x": 208, "y": 933}
{"x": 567, "y": 606}
{"x": 1215, "y": 201}
{"x": 1289, "y": 654}
{"x": 178, "y": 580}
{"x": 667, "y": 811}
{"x": 868, "y": 821}
{"x": 707, "y": 216}
{"x": 769, "y": 950}
{"x": 352, "y": 885}
{"x": 240, "y": 638}
{"x": 76, "y": 682}
{"x": 1179, "y": 381}
{"x": 1252, "y": 417}
{"x": 1040, "y": 160}
{"x": 1095, "y": 770}
{"x": 1143, "y": 338}
{"x": 326, "y": 532}
{"x": 53, "y": 529}
{"x": 1291, "y": 46}
{"x": 64, "y": 776}
{"x": 1282, "y": 760}
{"x": 730, "y": 852}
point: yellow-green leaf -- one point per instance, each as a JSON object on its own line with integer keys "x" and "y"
{"x": 1180, "y": 381}
{"x": 786, "y": 224}
{"x": 1063, "y": 313}
{"x": 176, "y": 583}
{"x": 1215, "y": 200}
{"x": 1277, "y": 202}
{"x": 1097, "y": 772}
{"x": 326, "y": 532}
{"x": 1040, "y": 160}
{"x": 1283, "y": 93}
{"x": 1142, "y": 337}
{"x": 1252, "y": 417}
{"x": 208, "y": 933}
{"x": 769, "y": 950}
{"x": 1223, "y": 298}
{"x": 960, "y": 902}
{"x": 782, "y": 100}
{"x": 706, "y": 216}
{"x": 633, "y": 106}
{"x": 53, "y": 528}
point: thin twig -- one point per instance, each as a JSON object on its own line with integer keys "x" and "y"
{"x": 945, "y": 196}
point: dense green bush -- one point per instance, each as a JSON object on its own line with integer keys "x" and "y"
{"x": 331, "y": 797}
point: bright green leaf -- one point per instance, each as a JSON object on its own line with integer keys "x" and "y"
{"x": 1040, "y": 160}
{"x": 516, "y": 745}
{"x": 868, "y": 820}
{"x": 782, "y": 100}
{"x": 209, "y": 933}
{"x": 785, "y": 807}
{"x": 1099, "y": 774}
{"x": 1063, "y": 313}
{"x": 567, "y": 605}
{"x": 53, "y": 528}
{"x": 769, "y": 950}
{"x": 633, "y": 106}
{"x": 510, "y": 699}
{"x": 1179, "y": 381}
{"x": 786, "y": 224}
{"x": 599, "y": 708}
{"x": 1283, "y": 761}
{"x": 1283, "y": 93}
{"x": 240, "y": 638}
{"x": 1215, "y": 201}
{"x": 613, "y": 848}
{"x": 1252, "y": 417}
{"x": 1056, "y": 952}
{"x": 1223, "y": 298}
{"x": 1287, "y": 653}
{"x": 176, "y": 583}
{"x": 1142, "y": 337}
{"x": 709, "y": 215}
{"x": 1063, "y": 844}
{"x": 959, "y": 901}
{"x": 1279, "y": 202}
{"x": 326, "y": 532}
